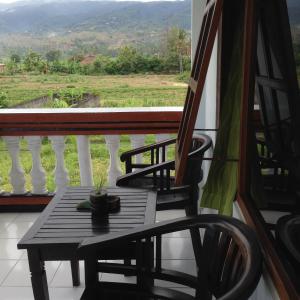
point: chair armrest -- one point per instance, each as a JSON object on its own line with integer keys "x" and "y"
{"x": 128, "y": 154}
{"x": 90, "y": 246}
{"x": 125, "y": 179}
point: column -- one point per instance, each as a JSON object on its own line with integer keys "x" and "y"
{"x": 16, "y": 174}
{"x": 38, "y": 176}
{"x": 84, "y": 159}
{"x": 138, "y": 140}
{"x": 114, "y": 170}
{"x": 61, "y": 174}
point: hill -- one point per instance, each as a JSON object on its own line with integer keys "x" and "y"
{"x": 104, "y": 25}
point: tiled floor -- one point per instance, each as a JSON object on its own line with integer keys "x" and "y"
{"x": 14, "y": 273}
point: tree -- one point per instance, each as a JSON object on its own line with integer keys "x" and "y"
{"x": 127, "y": 60}
{"x": 32, "y": 61}
{"x": 53, "y": 55}
{"x": 176, "y": 46}
{"x": 100, "y": 64}
{"x": 15, "y": 58}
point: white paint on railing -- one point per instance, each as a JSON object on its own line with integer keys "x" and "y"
{"x": 61, "y": 174}
{"x": 38, "y": 175}
{"x": 114, "y": 170}
{"x": 16, "y": 174}
{"x": 84, "y": 159}
{"x": 137, "y": 140}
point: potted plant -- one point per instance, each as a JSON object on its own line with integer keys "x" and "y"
{"x": 102, "y": 203}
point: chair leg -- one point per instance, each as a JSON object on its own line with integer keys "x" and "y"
{"x": 91, "y": 272}
{"x": 75, "y": 272}
{"x": 127, "y": 262}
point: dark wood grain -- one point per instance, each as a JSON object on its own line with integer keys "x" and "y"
{"x": 59, "y": 230}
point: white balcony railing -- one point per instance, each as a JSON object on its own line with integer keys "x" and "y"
{"x": 33, "y": 124}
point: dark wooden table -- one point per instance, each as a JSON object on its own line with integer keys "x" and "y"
{"x": 60, "y": 228}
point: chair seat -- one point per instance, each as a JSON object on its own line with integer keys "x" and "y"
{"x": 173, "y": 201}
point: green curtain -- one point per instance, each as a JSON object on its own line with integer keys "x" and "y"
{"x": 221, "y": 186}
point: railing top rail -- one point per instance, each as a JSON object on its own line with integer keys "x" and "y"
{"x": 93, "y": 110}
{"x": 88, "y": 121}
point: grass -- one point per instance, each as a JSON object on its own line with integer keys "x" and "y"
{"x": 114, "y": 91}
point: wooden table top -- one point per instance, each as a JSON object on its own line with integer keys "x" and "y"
{"x": 61, "y": 223}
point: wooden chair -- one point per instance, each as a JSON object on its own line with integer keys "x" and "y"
{"x": 157, "y": 174}
{"x": 229, "y": 260}
{"x": 287, "y": 232}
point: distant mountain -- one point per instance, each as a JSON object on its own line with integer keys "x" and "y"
{"x": 88, "y": 26}
{"x": 69, "y": 16}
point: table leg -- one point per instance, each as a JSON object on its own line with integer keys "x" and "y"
{"x": 75, "y": 272}
{"x": 38, "y": 275}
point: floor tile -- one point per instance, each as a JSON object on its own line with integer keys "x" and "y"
{"x": 5, "y": 267}
{"x": 177, "y": 248}
{"x": 63, "y": 276}
{"x": 21, "y": 217}
{"x": 6, "y": 219}
{"x": 65, "y": 293}
{"x": 117, "y": 277}
{"x": 15, "y": 229}
{"x": 169, "y": 214}
{"x": 182, "y": 233}
{"x": 272, "y": 216}
{"x": 9, "y": 250}
{"x": 12, "y": 293}
{"x": 20, "y": 275}
{"x": 185, "y": 266}
{"x": 188, "y": 291}
{"x": 8, "y": 216}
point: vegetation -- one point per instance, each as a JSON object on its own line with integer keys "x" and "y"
{"x": 114, "y": 91}
{"x": 121, "y": 90}
{"x": 175, "y": 58}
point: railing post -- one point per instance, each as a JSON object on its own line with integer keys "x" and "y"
{"x": 61, "y": 174}
{"x": 160, "y": 138}
{"x": 84, "y": 159}
{"x": 137, "y": 140}
{"x": 16, "y": 174}
{"x": 38, "y": 177}
{"x": 113, "y": 144}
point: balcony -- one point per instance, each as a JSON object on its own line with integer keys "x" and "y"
{"x": 33, "y": 124}
{"x": 57, "y": 124}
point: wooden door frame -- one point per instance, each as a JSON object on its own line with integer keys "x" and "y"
{"x": 279, "y": 276}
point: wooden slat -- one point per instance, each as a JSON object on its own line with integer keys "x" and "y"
{"x": 63, "y": 222}
{"x": 208, "y": 31}
{"x": 271, "y": 83}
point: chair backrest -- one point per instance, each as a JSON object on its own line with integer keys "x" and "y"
{"x": 228, "y": 257}
{"x": 199, "y": 145}
{"x": 288, "y": 235}
{"x": 287, "y": 232}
